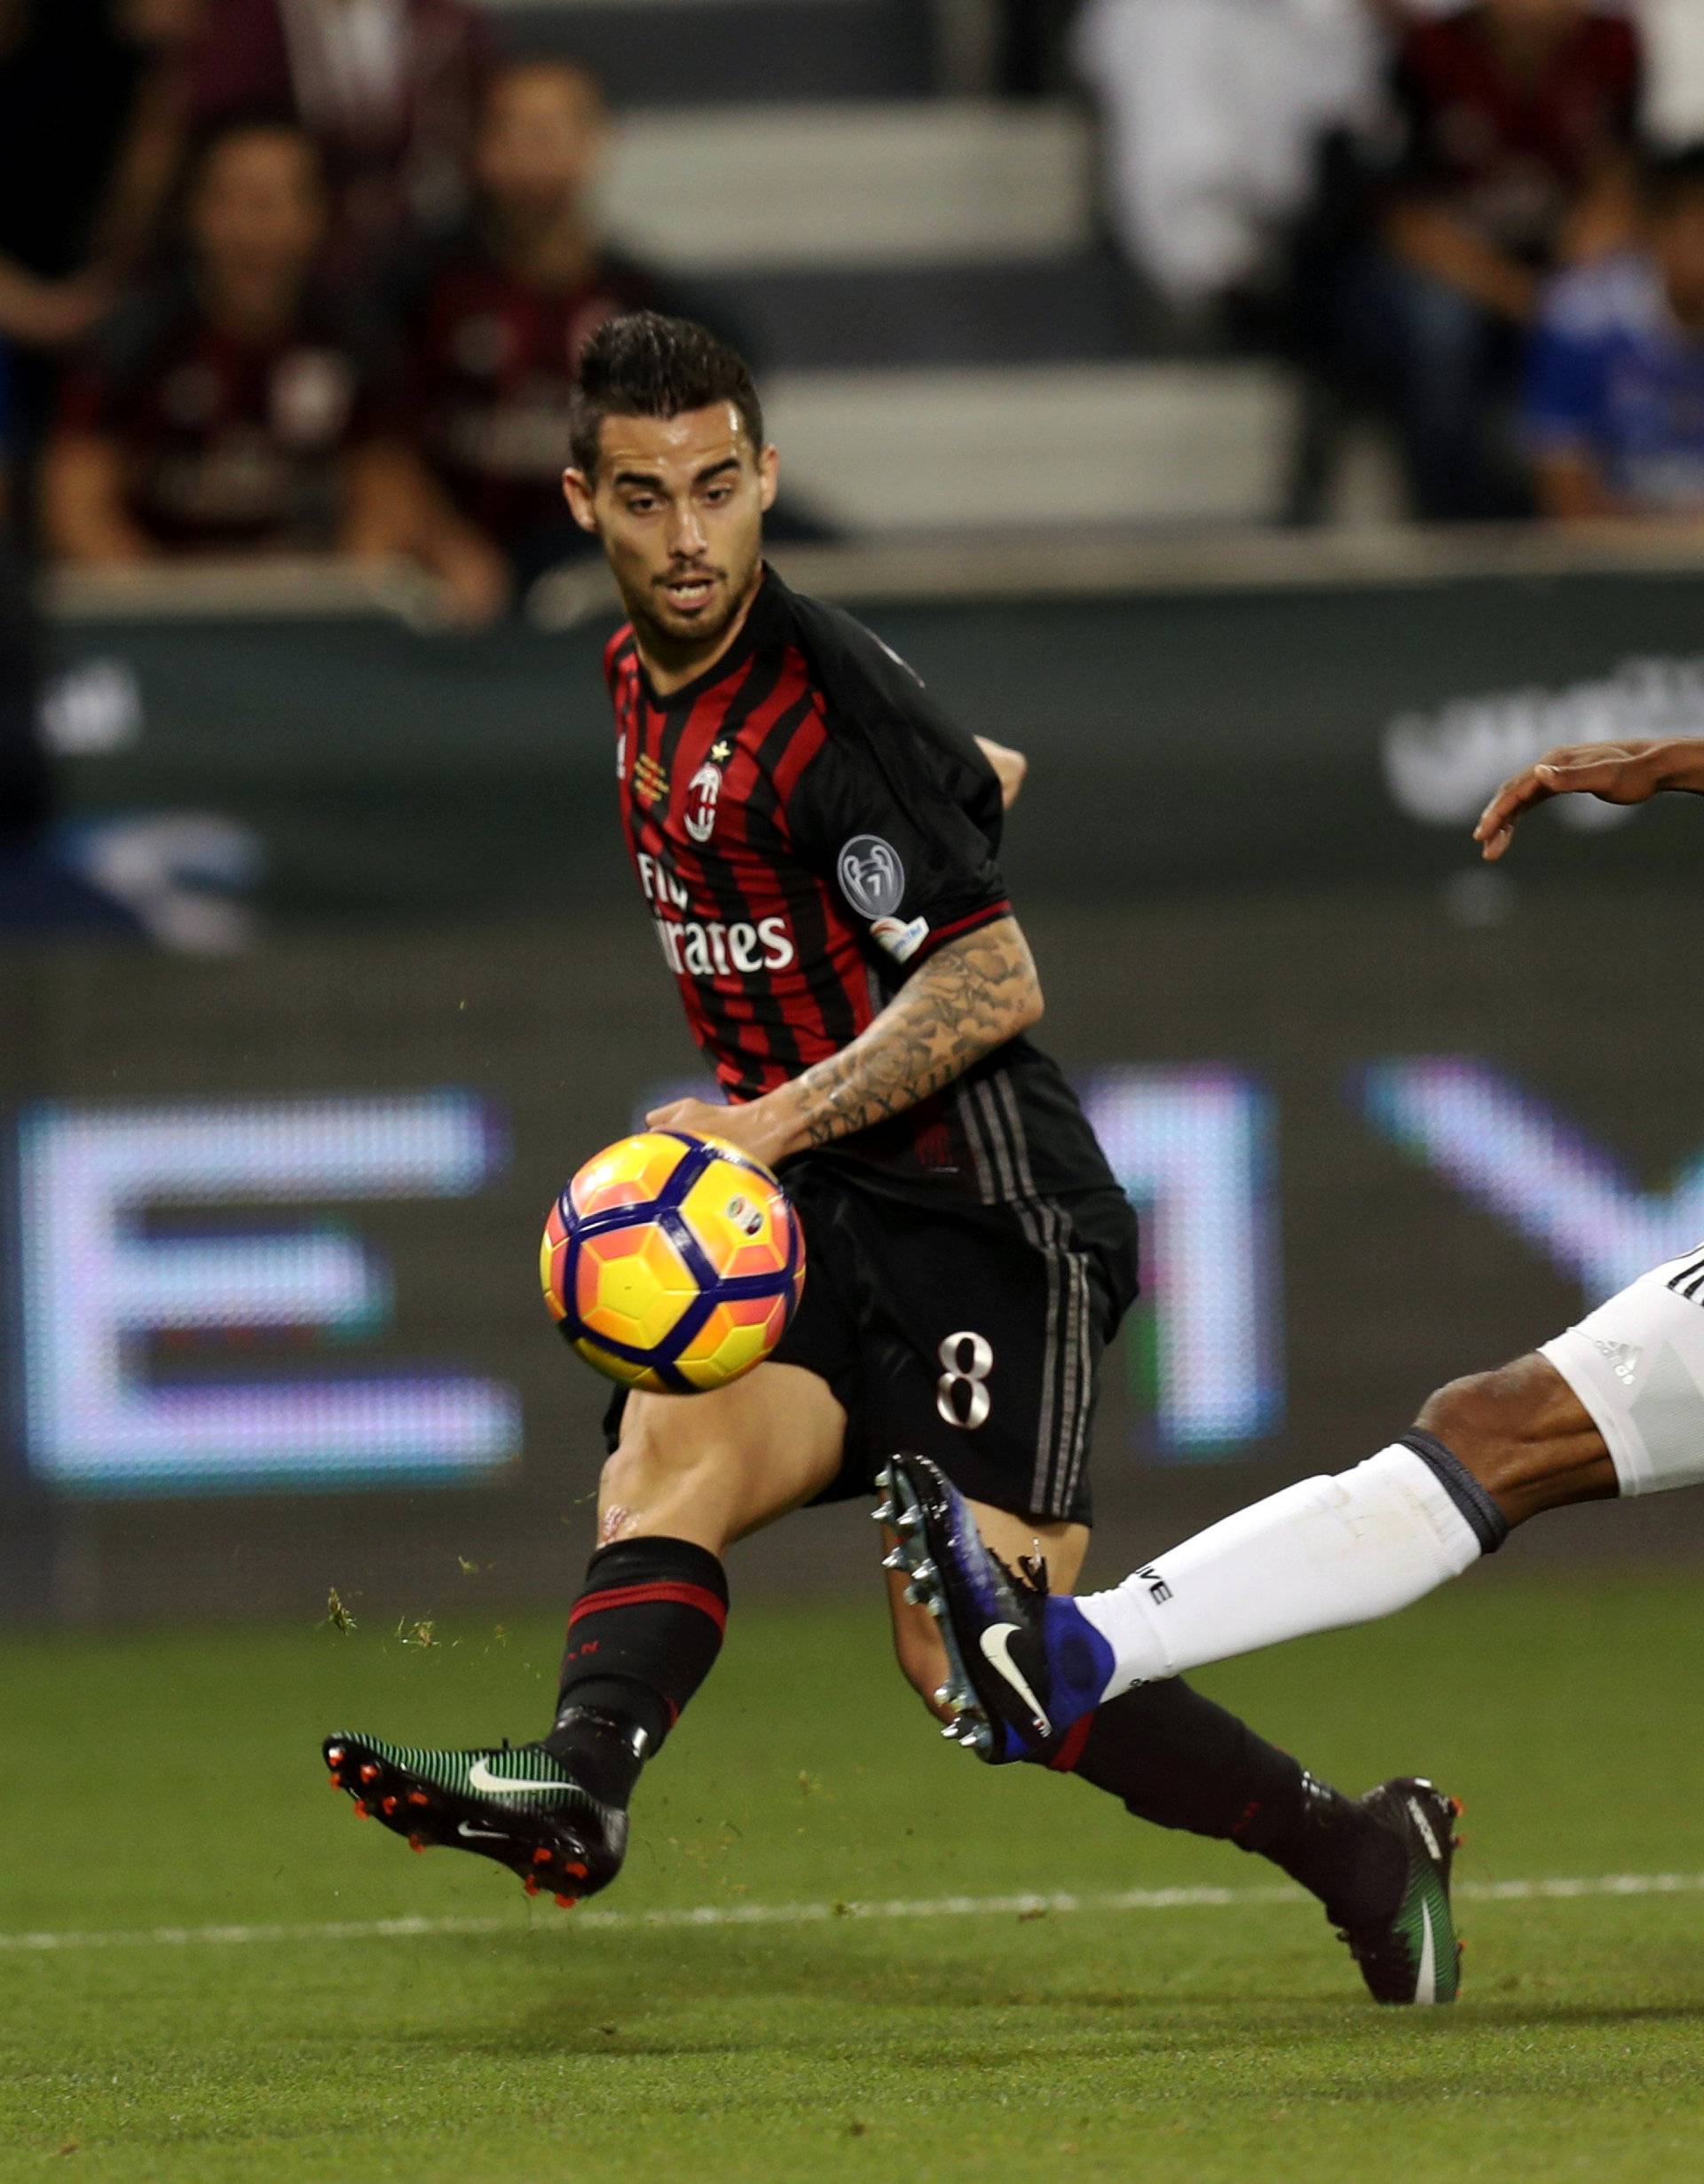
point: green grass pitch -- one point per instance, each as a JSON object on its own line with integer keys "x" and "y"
{"x": 174, "y": 1780}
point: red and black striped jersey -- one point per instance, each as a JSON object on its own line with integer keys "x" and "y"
{"x": 807, "y": 828}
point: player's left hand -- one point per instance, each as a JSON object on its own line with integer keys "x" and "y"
{"x": 754, "y": 1126}
{"x": 1616, "y": 773}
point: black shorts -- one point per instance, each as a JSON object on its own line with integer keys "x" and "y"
{"x": 968, "y": 1333}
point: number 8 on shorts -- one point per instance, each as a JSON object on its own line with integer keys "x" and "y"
{"x": 961, "y": 1394}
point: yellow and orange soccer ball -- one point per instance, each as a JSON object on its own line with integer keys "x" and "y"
{"x": 673, "y": 1262}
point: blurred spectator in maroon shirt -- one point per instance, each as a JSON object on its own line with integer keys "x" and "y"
{"x": 90, "y": 130}
{"x": 497, "y": 312}
{"x": 387, "y": 87}
{"x": 1519, "y": 120}
{"x": 243, "y": 406}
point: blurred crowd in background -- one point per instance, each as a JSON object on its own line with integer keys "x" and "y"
{"x": 295, "y": 276}
{"x": 310, "y": 275}
{"x": 1480, "y": 223}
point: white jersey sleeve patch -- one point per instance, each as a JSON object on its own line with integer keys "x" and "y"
{"x": 1637, "y": 1366}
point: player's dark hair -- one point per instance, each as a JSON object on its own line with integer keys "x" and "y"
{"x": 644, "y": 365}
{"x": 1671, "y": 177}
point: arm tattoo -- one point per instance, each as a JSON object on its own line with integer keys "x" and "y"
{"x": 971, "y": 996}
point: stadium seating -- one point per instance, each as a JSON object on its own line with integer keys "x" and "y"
{"x": 879, "y": 240}
{"x": 731, "y": 52}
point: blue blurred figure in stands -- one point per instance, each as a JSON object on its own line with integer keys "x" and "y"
{"x": 1518, "y": 124}
{"x": 1615, "y": 409}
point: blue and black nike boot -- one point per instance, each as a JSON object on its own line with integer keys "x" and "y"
{"x": 1023, "y": 1663}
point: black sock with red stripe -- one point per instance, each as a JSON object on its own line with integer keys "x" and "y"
{"x": 642, "y": 1637}
{"x": 1177, "y": 1759}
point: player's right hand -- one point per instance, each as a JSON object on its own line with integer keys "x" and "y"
{"x": 1617, "y": 773}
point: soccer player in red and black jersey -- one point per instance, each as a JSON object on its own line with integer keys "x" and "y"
{"x": 818, "y": 846}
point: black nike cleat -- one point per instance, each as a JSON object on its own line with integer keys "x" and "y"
{"x": 1023, "y": 1663}
{"x": 1413, "y": 1956}
{"x": 521, "y": 1807}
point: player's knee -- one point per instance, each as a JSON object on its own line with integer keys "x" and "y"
{"x": 645, "y": 1469}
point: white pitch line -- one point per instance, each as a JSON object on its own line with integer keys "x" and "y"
{"x": 823, "y": 1915}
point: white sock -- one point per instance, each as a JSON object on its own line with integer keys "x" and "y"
{"x": 1319, "y": 1555}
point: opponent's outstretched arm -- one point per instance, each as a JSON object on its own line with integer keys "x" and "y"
{"x": 1619, "y": 773}
{"x": 969, "y": 997}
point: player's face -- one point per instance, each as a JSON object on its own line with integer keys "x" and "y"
{"x": 1678, "y": 237}
{"x": 678, "y": 503}
{"x": 541, "y": 140}
{"x": 259, "y": 208}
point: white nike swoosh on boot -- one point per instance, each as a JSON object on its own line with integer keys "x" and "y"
{"x": 480, "y": 1778}
{"x": 1426, "y": 1987}
{"x": 487, "y": 1835}
{"x": 1418, "y": 1815}
{"x": 996, "y": 1650}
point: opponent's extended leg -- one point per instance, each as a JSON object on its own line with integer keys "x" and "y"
{"x": 1615, "y": 1405}
{"x": 690, "y": 1475}
{"x": 1379, "y": 1866}
{"x": 1486, "y": 1454}
{"x": 1524, "y": 1436}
